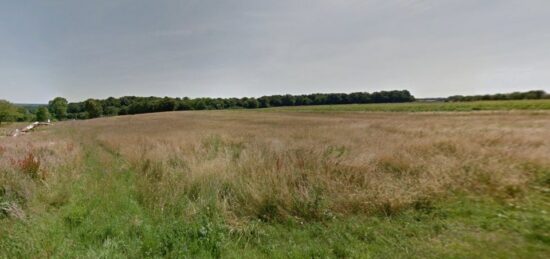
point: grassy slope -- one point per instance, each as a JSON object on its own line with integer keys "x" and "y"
{"x": 424, "y": 106}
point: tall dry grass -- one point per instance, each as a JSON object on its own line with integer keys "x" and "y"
{"x": 271, "y": 166}
{"x": 38, "y": 161}
{"x": 274, "y": 166}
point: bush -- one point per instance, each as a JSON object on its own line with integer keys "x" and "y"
{"x": 42, "y": 114}
{"x": 8, "y": 112}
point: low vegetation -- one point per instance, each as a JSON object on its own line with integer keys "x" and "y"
{"x": 248, "y": 184}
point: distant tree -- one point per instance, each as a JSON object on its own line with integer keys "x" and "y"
{"x": 288, "y": 100}
{"x": 406, "y": 96}
{"x": 58, "y": 107}
{"x": 334, "y": 99}
{"x": 199, "y": 104}
{"x": 111, "y": 111}
{"x": 236, "y": 103}
{"x": 75, "y": 107}
{"x": 25, "y": 114}
{"x": 319, "y": 99}
{"x": 184, "y": 105}
{"x": 537, "y": 94}
{"x": 8, "y": 112}
{"x": 43, "y": 114}
{"x": 303, "y": 100}
{"x": 127, "y": 100}
{"x": 276, "y": 100}
{"x": 252, "y": 103}
{"x": 208, "y": 103}
{"x": 123, "y": 110}
{"x": 168, "y": 104}
{"x": 380, "y": 97}
{"x": 264, "y": 102}
{"x": 82, "y": 116}
{"x": 111, "y": 101}
{"x": 138, "y": 107}
{"x": 93, "y": 108}
{"x": 218, "y": 104}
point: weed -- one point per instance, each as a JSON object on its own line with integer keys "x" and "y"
{"x": 29, "y": 165}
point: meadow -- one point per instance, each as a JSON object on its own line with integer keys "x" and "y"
{"x": 302, "y": 182}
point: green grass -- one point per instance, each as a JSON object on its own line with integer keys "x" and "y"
{"x": 462, "y": 228}
{"x": 100, "y": 216}
{"x": 423, "y": 106}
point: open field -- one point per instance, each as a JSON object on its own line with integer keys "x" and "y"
{"x": 425, "y": 106}
{"x": 249, "y": 184}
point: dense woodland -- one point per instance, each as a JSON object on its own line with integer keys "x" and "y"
{"x": 60, "y": 109}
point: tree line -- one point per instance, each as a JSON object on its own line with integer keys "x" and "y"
{"x": 93, "y": 108}
{"x": 60, "y": 109}
{"x": 529, "y": 95}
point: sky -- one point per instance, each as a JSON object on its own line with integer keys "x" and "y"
{"x": 236, "y": 48}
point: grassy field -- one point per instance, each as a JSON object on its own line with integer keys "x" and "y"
{"x": 253, "y": 184}
{"x": 424, "y": 106}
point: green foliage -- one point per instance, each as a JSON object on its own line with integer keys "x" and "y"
{"x": 111, "y": 111}
{"x": 251, "y": 103}
{"x": 168, "y": 104}
{"x": 58, "y": 108}
{"x": 8, "y": 112}
{"x": 93, "y": 108}
{"x": 75, "y": 108}
{"x": 103, "y": 219}
{"x": 529, "y": 95}
{"x": 42, "y": 114}
{"x": 378, "y": 101}
{"x": 137, "y": 105}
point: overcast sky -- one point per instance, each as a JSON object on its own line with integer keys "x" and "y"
{"x": 199, "y": 48}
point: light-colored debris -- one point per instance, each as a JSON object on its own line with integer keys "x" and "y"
{"x": 16, "y": 133}
{"x": 29, "y": 128}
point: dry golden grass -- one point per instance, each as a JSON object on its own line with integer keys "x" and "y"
{"x": 311, "y": 166}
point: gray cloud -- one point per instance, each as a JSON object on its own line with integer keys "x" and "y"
{"x": 82, "y": 49}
